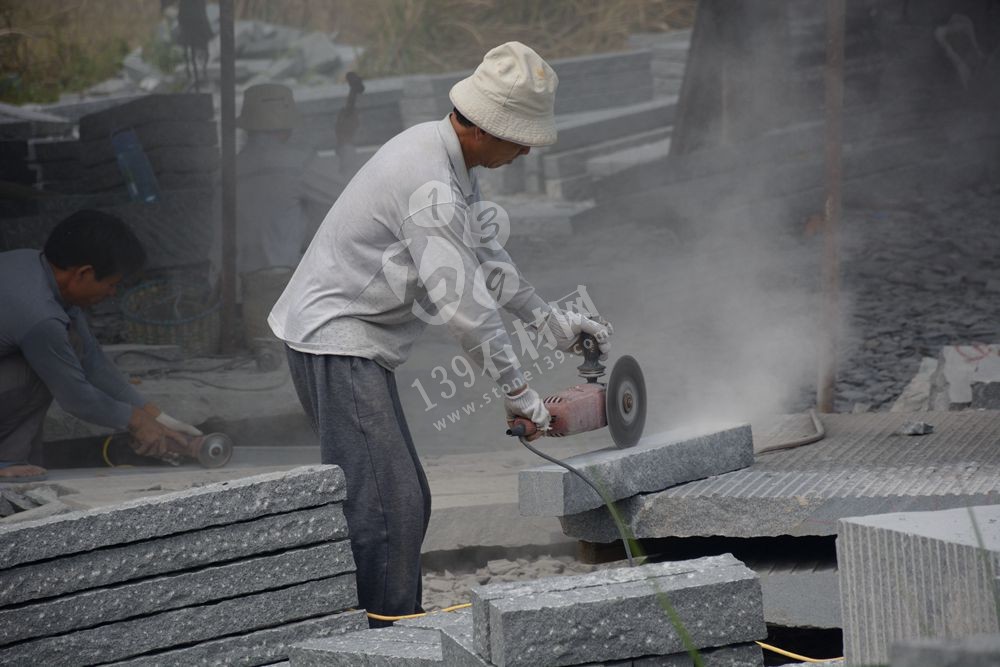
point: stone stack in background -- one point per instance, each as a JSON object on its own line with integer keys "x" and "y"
{"x": 177, "y": 133}
{"x": 915, "y": 575}
{"x": 612, "y": 617}
{"x": 221, "y": 574}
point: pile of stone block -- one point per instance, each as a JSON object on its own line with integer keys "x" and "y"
{"x": 913, "y": 575}
{"x": 658, "y": 462}
{"x": 227, "y": 573}
{"x": 627, "y": 616}
{"x": 177, "y": 133}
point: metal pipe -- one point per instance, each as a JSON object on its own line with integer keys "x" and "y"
{"x": 831, "y": 261}
{"x": 228, "y": 144}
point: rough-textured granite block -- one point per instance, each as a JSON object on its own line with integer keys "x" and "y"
{"x": 169, "y": 554}
{"x": 182, "y": 106}
{"x": 457, "y": 650}
{"x": 913, "y": 575}
{"x": 155, "y": 516}
{"x": 617, "y": 614}
{"x": 180, "y": 627}
{"x": 385, "y": 647}
{"x": 656, "y": 463}
{"x": 253, "y": 648}
{"x": 152, "y": 136}
{"x": 976, "y": 651}
{"x": 862, "y": 467}
{"x": 186, "y": 589}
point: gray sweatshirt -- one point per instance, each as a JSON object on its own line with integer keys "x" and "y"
{"x": 402, "y": 248}
{"x": 36, "y": 323}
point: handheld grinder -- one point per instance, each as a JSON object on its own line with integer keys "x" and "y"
{"x": 620, "y": 404}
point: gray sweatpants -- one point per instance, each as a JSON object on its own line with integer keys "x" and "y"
{"x": 354, "y": 406}
{"x": 24, "y": 400}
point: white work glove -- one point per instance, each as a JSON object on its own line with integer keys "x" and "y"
{"x": 177, "y": 425}
{"x": 566, "y": 326}
{"x": 527, "y": 404}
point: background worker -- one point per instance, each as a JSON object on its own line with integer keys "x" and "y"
{"x": 47, "y": 349}
{"x": 392, "y": 255}
{"x": 282, "y": 193}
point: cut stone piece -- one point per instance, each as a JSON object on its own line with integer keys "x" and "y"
{"x": 801, "y": 595}
{"x": 180, "y": 627}
{"x": 862, "y": 467}
{"x": 917, "y": 575}
{"x": 173, "y": 553}
{"x": 977, "y": 651}
{"x": 656, "y": 463}
{"x": 617, "y": 614}
{"x": 156, "y": 516}
{"x": 253, "y": 648}
{"x": 951, "y": 385}
{"x": 385, "y": 647}
{"x": 186, "y": 589}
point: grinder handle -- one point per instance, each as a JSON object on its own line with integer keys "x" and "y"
{"x": 521, "y": 427}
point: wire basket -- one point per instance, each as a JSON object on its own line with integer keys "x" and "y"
{"x": 171, "y": 312}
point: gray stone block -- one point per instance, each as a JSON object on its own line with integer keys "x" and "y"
{"x": 161, "y": 134}
{"x": 917, "y": 575}
{"x": 186, "y": 589}
{"x": 180, "y": 627}
{"x": 253, "y": 648}
{"x": 656, "y": 463}
{"x": 977, "y": 651}
{"x": 385, "y": 647}
{"x": 179, "y": 107}
{"x": 862, "y": 467}
{"x": 156, "y": 516}
{"x": 617, "y": 614}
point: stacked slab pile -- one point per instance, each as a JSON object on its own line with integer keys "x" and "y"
{"x": 177, "y": 133}
{"x": 863, "y": 466}
{"x": 611, "y": 617}
{"x": 755, "y": 89}
{"x": 917, "y": 575}
{"x": 221, "y": 574}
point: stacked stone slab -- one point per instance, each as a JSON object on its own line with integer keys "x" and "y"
{"x": 615, "y": 617}
{"x": 976, "y": 651}
{"x": 177, "y": 133}
{"x": 656, "y": 463}
{"x": 227, "y": 573}
{"x": 916, "y": 575}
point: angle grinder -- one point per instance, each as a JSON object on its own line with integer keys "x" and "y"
{"x": 620, "y": 404}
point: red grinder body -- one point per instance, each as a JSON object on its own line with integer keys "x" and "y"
{"x": 574, "y": 410}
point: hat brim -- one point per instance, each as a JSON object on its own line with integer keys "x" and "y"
{"x": 499, "y": 121}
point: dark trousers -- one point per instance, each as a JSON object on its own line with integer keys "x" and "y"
{"x": 354, "y": 406}
{"x": 24, "y": 400}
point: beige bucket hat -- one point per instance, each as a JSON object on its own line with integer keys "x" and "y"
{"x": 268, "y": 107}
{"x": 511, "y": 95}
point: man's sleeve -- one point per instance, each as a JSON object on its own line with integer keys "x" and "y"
{"x": 525, "y": 304}
{"x": 101, "y": 371}
{"x": 453, "y": 277}
{"x": 47, "y": 349}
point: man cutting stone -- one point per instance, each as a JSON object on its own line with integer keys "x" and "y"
{"x": 47, "y": 349}
{"x": 406, "y": 244}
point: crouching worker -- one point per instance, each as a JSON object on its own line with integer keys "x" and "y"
{"x": 47, "y": 349}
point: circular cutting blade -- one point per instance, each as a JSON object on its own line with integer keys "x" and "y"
{"x": 626, "y": 402}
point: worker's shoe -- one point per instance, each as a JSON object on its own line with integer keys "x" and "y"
{"x": 22, "y": 472}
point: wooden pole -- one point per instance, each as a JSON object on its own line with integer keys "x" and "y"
{"x": 831, "y": 261}
{"x": 228, "y": 142}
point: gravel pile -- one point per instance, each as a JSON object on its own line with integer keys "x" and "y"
{"x": 918, "y": 278}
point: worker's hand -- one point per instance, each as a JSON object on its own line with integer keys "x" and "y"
{"x": 566, "y": 326}
{"x": 151, "y": 438}
{"x": 528, "y": 404}
{"x": 177, "y": 425}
